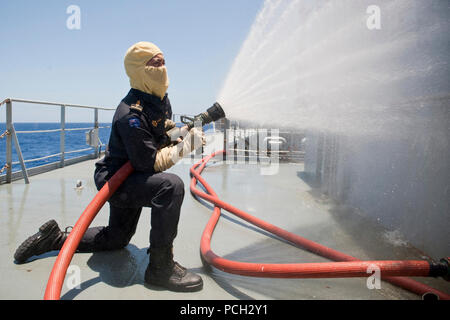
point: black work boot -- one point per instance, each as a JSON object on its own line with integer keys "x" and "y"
{"x": 164, "y": 272}
{"x": 49, "y": 238}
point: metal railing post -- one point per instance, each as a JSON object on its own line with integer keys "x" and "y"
{"x": 226, "y": 124}
{"x": 96, "y": 132}
{"x": 62, "y": 139}
{"x": 19, "y": 155}
{"x": 9, "y": 141}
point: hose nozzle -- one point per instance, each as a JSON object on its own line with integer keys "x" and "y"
{"x": 214, "y": 113}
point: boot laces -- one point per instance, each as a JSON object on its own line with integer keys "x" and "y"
{"x": 179, "y": 269}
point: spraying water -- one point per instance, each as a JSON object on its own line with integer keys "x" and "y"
{"x": 341, "y": 66}
{"x": 368, "y": 83}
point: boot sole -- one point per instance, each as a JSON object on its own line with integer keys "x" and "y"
{"x": 24, "y": 252}
{"x": 191, "y": 288}
{"x": 188, "y": 288}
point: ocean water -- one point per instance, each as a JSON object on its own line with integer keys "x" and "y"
{"x": 37, "y": 145}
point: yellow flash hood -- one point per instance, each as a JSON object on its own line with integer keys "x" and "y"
{"x": 152, "y": 80}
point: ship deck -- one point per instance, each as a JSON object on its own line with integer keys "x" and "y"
{"x": 284, "y": 199}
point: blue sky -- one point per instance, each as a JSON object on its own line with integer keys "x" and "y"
{"x": 40, "y": 58}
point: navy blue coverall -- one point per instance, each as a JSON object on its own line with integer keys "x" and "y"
{"x": 137, "y": 133}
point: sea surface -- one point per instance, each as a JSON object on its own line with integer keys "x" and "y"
{"x": 37, "y": 145}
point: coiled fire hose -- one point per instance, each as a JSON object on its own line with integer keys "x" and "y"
{"x": 346, "y": 267}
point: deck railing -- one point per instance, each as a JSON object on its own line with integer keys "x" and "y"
{"x": 11, "y": 137}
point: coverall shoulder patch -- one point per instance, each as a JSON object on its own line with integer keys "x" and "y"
{"x": 134, "y": 122}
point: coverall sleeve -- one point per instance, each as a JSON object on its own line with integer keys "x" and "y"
{"x": 139, "y": 143}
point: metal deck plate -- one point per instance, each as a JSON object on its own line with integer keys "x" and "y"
{"x": 283, "y": 199}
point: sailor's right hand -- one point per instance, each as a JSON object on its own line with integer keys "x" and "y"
{"x": 168, "y": 156}
{"x": 197, "y": 138}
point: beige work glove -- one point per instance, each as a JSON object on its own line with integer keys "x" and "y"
{"x": 169, "y": 124}
{"x": 168, "y": 156}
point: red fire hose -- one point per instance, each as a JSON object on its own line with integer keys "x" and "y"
{"x": 347, "y": 267}
{"x": 56, "y": 280}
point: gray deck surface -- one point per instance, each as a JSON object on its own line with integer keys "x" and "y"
{"x": 283, "y": 199}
